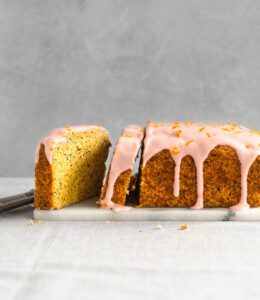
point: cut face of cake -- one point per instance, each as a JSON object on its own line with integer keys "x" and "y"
{"x": 117, "y": 183}
{"x": 197, "y": 165}
{"x": 70, "y": 166}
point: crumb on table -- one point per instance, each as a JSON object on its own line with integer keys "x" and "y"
{"x": 34, "y": 222}
{"x": 158, "y": 226}
{"x": 184, "y": 227}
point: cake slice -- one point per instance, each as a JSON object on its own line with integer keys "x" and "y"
{"x": 197, "y": 165}
{"x": 70, "y": 166}
{"x": 117, "y": 183}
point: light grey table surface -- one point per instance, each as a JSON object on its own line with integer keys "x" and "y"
{"x": 124, "y": 260}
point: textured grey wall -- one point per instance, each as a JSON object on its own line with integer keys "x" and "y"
{"x": 117, "y": 62}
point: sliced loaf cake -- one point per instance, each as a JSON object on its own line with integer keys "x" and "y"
{"x": 70, "y": 166}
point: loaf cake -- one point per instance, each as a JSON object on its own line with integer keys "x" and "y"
{"x": 194, "y": 165}
{"x": 70, "y": 166}
{"x": 117, "y": 183}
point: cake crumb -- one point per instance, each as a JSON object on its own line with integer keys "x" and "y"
{"x": 184, "y": 227}
{"x": 158, "y": 226}
{"x": 34, "y": 222}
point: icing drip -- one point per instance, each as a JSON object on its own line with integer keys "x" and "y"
{"x": 59, "y": 136}
{"x": 176, "y": 190}
{"x": 198, "y": 140}
{"x": 123, "y": 159}
{"x": 199, "y": 168}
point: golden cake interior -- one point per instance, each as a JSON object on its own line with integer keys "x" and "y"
{"x": 76, "y": 172}
{"x": 121, "y": 188}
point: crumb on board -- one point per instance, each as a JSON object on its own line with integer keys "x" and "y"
{"x": 34, "y": 222}
{"x": 158, "y": 226}
{"x": 184, "y": 227}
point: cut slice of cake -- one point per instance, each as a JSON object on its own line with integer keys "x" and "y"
{"x": 197, "y": 165}
{"x": 70, "y": 166}
{"x": 117, "y": 183}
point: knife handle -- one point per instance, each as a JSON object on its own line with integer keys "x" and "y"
{"x": 15, "y": 201}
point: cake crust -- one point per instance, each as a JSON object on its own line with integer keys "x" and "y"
{"x": 222, "y": 185}
{"x": 121, "y": 188}
{"x": 43, "y": 198}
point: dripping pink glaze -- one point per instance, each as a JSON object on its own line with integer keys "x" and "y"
{"x": 123, "y": 159}
{"x": 57, "y": 137}
{"x": 203, "y": 138}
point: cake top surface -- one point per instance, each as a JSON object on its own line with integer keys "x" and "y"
{"x": 59, "y": 136}
{"x": 191, "y": 138}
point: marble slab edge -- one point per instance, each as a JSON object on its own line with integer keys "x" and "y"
{"x": 89, "y": 211}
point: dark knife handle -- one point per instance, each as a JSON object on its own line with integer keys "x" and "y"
{"x": 11, "y": 202}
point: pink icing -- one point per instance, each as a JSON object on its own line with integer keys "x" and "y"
{"x": 123, "y": 159}
{"x": 197, "y": 140}
{"x": 58, "y": 137}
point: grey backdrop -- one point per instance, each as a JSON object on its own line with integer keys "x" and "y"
{"x": 118, "y": 62}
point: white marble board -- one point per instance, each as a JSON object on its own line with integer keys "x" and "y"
{"x": 89, "y": 211}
